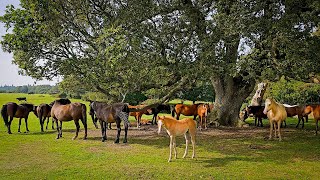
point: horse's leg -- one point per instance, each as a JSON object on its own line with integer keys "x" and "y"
{"x": 85, "y": 128}
{"x": 51, "y": 123}
{"x": 303, "y": 122}
{"x": 26, "y": 121}
{"x": 118, "y": 129}
{"x": 260, "y": 119}
{"x": 19, "y": 124}
{"x": 76, "y": 122}
{"x": 271, "y": 129}
{"x": 193, "y": 141}
{"x": 47, "y": 122}
{"x": 275, "y": 129}
{"x": 125, "y": 133}
{"x": 110, "y": 126}
{"x": 58, "y": 128}
{"x": 279, "y": 125}
{"x": 187, "y": 143}
{"x": 103, "y": 130}
{"x": 299, "y": 119}
{"x": 255, "y": 121}
{"x": 205, "y": 122}
{"x": 175, "y": 147}
{"x": 9, "y": 125}
{"x": 178, "y": 116}
{"x": 170, "y": 146}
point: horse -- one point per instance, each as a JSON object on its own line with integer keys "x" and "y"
{"x": 175, "y": 128}
{"x": 64, "y": 110}
{"x": 315, "y": 108}
{"x": 187, "y": 110}
{"x": 138, "y": 114}
{"x": 257, "y": 98}
{"x": 11, "y": 110}
{"x": 296, "y": 110}
{"x": 257, "y": 112}
{"x": 21, "y": 99}
{"x": 202, "y": 112}
{"x": 160, "y": 108}
{"x": 276, "y": 113}
{"x": 108, "y": 113}
{"x": 94, "y": 117}
{"x": 43, "y": 111}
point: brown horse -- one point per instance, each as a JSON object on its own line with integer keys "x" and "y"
{"x": 257, "y": 112}
{"x": 202, "y": 112}
{"x": 276, "y": 113}
{"x": 64, "y": 110}
{"x": 187, "y": 110}
{"x": 108, "y": 113}
{"x": 138, "y": 114}
{"x": 176, "y": 128}
{"x": 11, "y": 110}
{"x": 43, "y": 111}
{"x": 297, "y": 111}
{"x": 315, "y": 108}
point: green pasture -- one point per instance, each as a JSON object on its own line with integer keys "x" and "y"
{"x": 222, "y": 153}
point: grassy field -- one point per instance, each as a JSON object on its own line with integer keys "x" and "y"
{"x": 222, "y": 153}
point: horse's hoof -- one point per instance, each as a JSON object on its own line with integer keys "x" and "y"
{"x": 85, "y": 138}
{"x": 169, "y": 160}
{"x": 116, "y": 141}
{"x": 124, "y": 141}
{"x": 74, "y": 138}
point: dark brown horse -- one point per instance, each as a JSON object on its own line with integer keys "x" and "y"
{"x": 108, "y": 113}
{"x": 64, "y": 110}
{"x": 94, "y": 117}
{"x": 43, "y": 111}
{"x": 257, "y": 112}
{"x": 187, "y": 110}
{"x": 11, "y": 110}
{"x": 164, "y": 108}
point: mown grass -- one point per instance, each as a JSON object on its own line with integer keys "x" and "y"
{"x": 222, "y": 153}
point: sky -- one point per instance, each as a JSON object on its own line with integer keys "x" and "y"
{"x": 8, "y": 71}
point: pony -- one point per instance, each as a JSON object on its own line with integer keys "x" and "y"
{"x": 160, "y": 108}
{"x": 202, "y": 112}
{"x": 64, "y": 110}
{"x": 257, "y": 112}
{"x": 296, "y": 111}
{"x": 94, "y": 117}
{"x": 176, "y": 128}
{"x": 315, "y": 109}
{"x": 276, "y": 113}
{"x": 138, "y": 114}
{"x": 108, "y": 113}
{"x": 43, "y": 111}
{"x": 187, "y": 110}
{"x": 11, "y": 110}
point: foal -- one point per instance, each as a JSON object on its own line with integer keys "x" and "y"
{"x": 276, "y": 113}
{"x": 176, "y": 128}
{"x": 202, "y": 111}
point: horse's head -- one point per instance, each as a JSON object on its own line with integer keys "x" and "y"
{"x": 62, "y": 101}
{"x": 268, "y": 105}
{"x": 30, "y": 107}
{"x": 244, "y": 113}
{"x": 35, "y": 110}
{"x": 160, "y": 123}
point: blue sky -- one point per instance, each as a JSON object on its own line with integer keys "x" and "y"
{"x": 8, "y": 71}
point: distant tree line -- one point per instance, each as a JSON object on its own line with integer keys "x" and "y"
{"x": 30, "y": 89}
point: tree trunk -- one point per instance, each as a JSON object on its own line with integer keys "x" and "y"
{"x": 230, "y": 94}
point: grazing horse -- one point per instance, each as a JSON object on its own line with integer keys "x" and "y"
{"x": 166, "y": 108}
{"x": 108, "y": 113}
{"x": 20, "y": 111}
{"x": 187, "y": 110}
{"x": 315, "y": 108}
{"x": 138, "y": 114}
{"x": 64, "y": 110}
{"x": 257, "y": 112}
{"x": 176, "y": 128}
{"x": 276, "y": 113}
{"x": 296, "y": 111}
{"x": 43, "y": 111}
{"x": 202, "y": 112}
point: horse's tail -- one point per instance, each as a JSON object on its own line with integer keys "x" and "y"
{"x": 40, "y": 114}
{"x": 4, "y": 113}
{"x": 125, "y": 114}
{"x": 84, "y": 112}
{"x": 173, "y": 110}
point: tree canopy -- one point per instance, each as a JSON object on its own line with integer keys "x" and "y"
{"x": 119, "y": 47}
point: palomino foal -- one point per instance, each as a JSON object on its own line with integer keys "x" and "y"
{"x": 176, "y": 128}
{"x": 276, "y": 113}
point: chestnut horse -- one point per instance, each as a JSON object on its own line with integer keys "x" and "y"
{"x": 176, "y": 128}
{"x": 187, "y": 110}
{"x": 315, "y": 108}
{"x": 11, "y": 110}
{"x": 108, "y": 113}
{"x": 64, "y": 110}
{"x": 276, "y": 113}
{"x": 202, "y": 112}
{"x": 297, "y": 111}
{"x": 138, "y": 114}
{"x": 43, "y": 111}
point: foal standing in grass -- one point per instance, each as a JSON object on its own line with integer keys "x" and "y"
{"x": 276, "y": 113}
{"x": 176, "y": 128}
